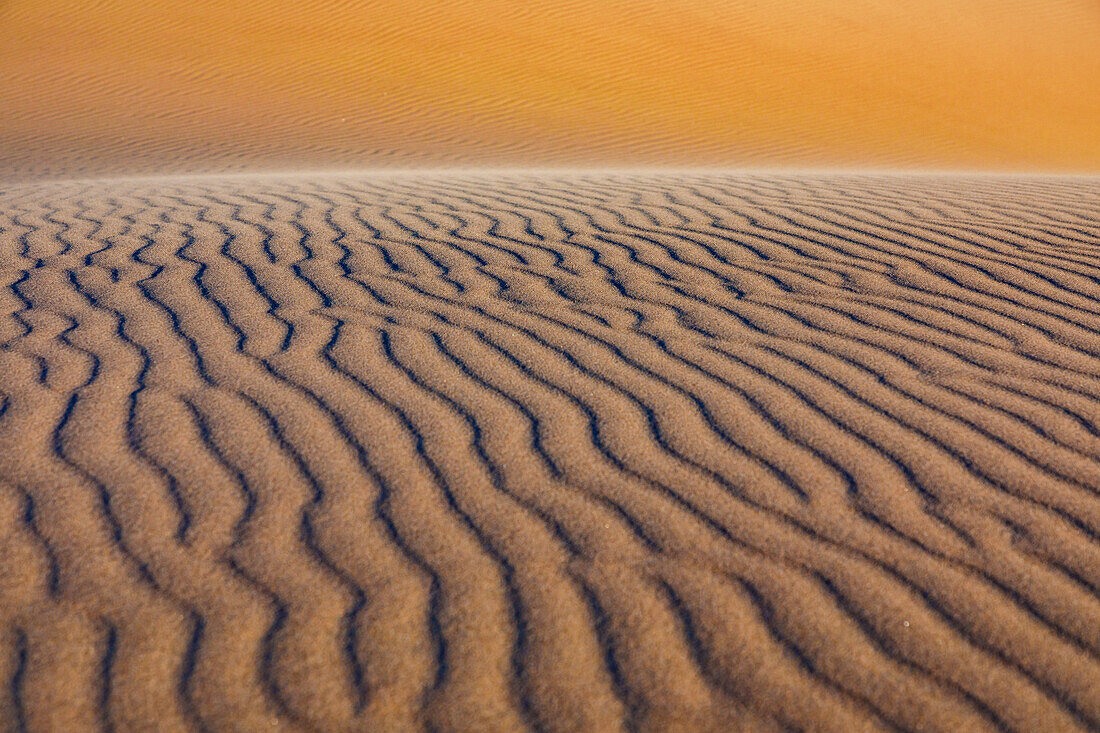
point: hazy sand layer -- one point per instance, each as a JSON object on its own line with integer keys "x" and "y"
{"x": 567, "y": 452}
{"x": 158, "y": 86}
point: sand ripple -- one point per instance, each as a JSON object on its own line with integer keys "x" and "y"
{"x": 561, "y": 452}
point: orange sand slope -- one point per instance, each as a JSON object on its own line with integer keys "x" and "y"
{"x": 564, "y": 452}
{"x": 125, "y": 86}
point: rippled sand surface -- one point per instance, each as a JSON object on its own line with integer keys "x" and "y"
{"x": 679, "y": 451}
{"x": 118, "y": 86}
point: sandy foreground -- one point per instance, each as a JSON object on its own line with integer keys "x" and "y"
{"x": 680, "y": 451}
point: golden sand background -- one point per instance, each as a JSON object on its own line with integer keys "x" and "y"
{"x": 115, "y": 86}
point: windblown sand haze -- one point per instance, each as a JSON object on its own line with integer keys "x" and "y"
{"x": 152, "y": 87}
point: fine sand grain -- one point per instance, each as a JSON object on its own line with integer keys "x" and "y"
{"x": 550, "y": 451}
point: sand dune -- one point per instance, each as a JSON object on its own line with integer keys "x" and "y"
{"x": 122, "y": 87}
{"x": 552, "y": 451}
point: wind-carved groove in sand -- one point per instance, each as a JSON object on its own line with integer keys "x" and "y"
{"x": 550, "y": 451}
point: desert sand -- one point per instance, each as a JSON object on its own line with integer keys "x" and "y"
{"x": 154, "y": 86}
{"x": 593, "y": 365}
{"x": 550, "y": 451}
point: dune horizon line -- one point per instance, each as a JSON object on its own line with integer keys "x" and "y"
{"x": 563, "y": 169}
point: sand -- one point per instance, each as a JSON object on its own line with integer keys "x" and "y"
{"x": 157, "y": 86}
{"x": 678, "y": 451}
